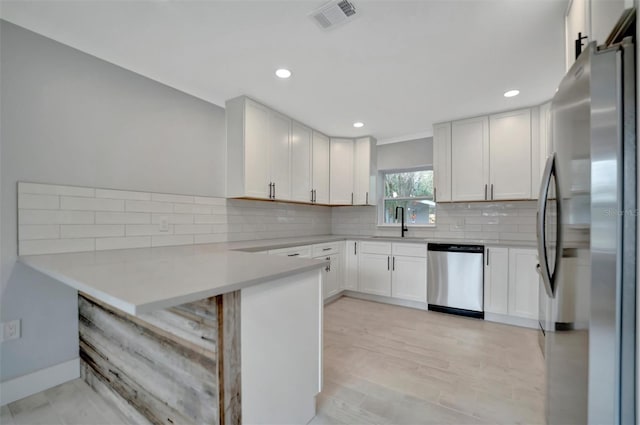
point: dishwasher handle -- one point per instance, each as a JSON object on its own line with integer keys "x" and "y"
{"x": 466, "y": 249}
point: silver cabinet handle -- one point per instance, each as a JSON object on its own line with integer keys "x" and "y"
{"x": 487, "y": 256}
{"x": 393, "y": 264}
{"x": 367, "y": 198}
{"x": 315, "y": 196}
{"x": 355, "y": 248}
{"x": 326, "y": 249}
{"x": 311, "y": 195}
{"x": 485, "y": 192}
{"x": 293, "y": 255}
{"x": 388, "y": 262}
{"x": 351, "y": 198}
{"x": 274, "y": 190}
{"x": 328, "y": 265}
{"x": 492, "y": 191}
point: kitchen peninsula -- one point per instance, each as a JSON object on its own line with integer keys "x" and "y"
{"x": 197, "y": 334}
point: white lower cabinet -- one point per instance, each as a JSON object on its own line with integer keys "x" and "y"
{"x": 351, "y": 266}
{"x": 374, "y": 274}
{"x": 523, "y": 283}
{"x": 511, "y": 282}
{"x": 409, "y": 278}
{"x": 381, "y": 271}
{"x": 496, "y": 280}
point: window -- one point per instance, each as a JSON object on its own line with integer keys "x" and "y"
{"x": 411, "y": 189}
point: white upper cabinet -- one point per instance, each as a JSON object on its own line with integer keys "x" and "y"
{"x": 301, "y": 145}
{"x": 442, "y": 162}
{"x": 256, "y": 148}
{"x": 320, "y": 168}
{"x": 258, "y": 151}
{"x": 470, "y": 159}
{"x": 280, "y": 156}
{"x": 341, "y": 172}
{"x": 365, "y": 169}
{"x": 510, "y": 155}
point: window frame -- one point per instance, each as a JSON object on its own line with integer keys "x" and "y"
{"x": 380, "y": 198}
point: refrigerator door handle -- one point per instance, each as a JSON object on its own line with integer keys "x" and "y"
{"x": 541, "y": 217}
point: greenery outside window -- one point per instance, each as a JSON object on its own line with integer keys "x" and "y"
{"x": 411, "y": 189}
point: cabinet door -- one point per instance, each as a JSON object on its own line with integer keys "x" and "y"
{"x": 523, "y": 283}
{"x": 256, "y": 149}
{"x": 320, "y": 167}
{"x": 300, "y": 163}
{"x": 364, "y": 181}
{"x": 442, "y": 162}
{"x": 409, "y": 278}
{"x": 351, "y": 266}
{"x": 510, "y": 155}
{"x": 470, "y": 159}
{"x": 496, "y": 280}
{"x": 331, "y": 272}
{"x": 374, "y": 274}
{"x": 280, "y": 155}
{"x": 341, "y": 172}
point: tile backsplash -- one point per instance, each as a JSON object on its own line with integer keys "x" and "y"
{"x": 55, "y": 219}
{"x": 496, "y": 221}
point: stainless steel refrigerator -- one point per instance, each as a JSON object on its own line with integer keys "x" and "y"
{"x": 587, "y": 241}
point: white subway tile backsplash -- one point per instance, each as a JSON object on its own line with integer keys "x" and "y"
{"x": 192, "y": 209}
{"x": 38, "y": 231}
{"x": 156, "y": 218}
{"x": 123, "y": 194}
{"x": 148, "y": 206}
{"x": 122, "y": 218}
{"x": 38, "y": 202}
{"x": 165, "y": 197}
{"x": 91, "y": 204}
{"x": 55, "y": 246}
{"x": 123, "y": 243}
{"x": 191, "y": 229}
{"x": 210, "y": 218}
{"x": 212, "y": 238}
{"x": 50, "y": 189}
{"x": 209, "y": 201}
{"x": 147, "y": 230}
{"x": 91, "y": 230}
{"x": 54, "y": 217}
{"x": 169, "y": 240}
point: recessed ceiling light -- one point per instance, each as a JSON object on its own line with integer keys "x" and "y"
{"x": 358, "y": 124}
{"x": 283, "y": 73}
{"x": 511, "y": 93}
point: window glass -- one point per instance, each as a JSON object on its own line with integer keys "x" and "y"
{"x": 412, "y": 190}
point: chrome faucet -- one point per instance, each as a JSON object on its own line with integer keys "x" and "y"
{"x": 403, "y": 227}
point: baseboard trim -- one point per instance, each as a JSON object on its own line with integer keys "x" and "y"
{"x": 511, "y": 320}
{"x": 385, "y": 300}
{"x": 40, "y": 380}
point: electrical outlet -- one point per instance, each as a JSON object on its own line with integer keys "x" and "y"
{"x": 164, "y": 224}
{"x": 11, "y": 330}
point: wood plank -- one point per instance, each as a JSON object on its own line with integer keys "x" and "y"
{"x": 178, "y": 365}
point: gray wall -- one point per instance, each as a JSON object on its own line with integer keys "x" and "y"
{"x": 410, "y": 154}
{"x": 69, "y": 118}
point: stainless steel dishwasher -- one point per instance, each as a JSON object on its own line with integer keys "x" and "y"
{"x": 456, "y": 279}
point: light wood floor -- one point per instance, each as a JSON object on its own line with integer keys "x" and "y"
{"x": 391, "y": 365}
{"x": 383, "y": 365}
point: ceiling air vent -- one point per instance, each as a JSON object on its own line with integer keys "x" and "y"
{"x": 334, "y": 13}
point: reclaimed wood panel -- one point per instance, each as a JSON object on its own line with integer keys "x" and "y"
{"x": 175, "y": 366}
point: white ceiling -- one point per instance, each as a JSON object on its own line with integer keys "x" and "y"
{"x": 399, "y": 67}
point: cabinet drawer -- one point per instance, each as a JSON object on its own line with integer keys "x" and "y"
{"x": 410, "y": 249}
{"x": 327, "y": 248}
{"x": 383, "y": 248}
{"x": 295, "y": 251}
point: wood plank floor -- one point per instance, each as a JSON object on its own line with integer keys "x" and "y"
{"x": 391, "y": 365}
{"x": 383, "y": 365}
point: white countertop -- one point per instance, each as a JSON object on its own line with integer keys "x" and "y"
{"x": 144, "y": 279}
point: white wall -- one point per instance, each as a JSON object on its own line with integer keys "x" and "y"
{"x": 409, "y": 154}
{"x": 70, "y": 118}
